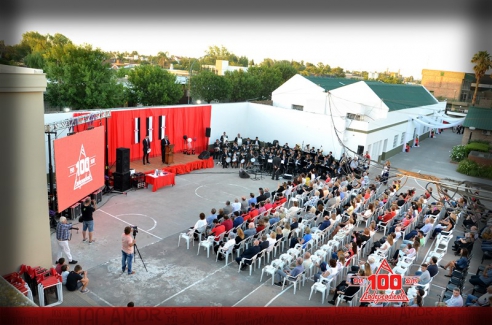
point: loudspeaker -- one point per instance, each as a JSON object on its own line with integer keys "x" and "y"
{"x": 121, "y": 181}
{"x": 207, "y": 132}
{"x": 243, "y": 174}
{"x": 360, "y": 150}
{"x": 75, "y": 211}
{"x": 97, "y": 195}
{"x": 122, "y": 160}
{"x": 286, "y": 176}
{"x": 204, "y": 155}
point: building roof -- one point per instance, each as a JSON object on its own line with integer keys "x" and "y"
{"x": 479, "y": 118}
{"x": 331, "y": 83}
{"x": 395, "y": 96}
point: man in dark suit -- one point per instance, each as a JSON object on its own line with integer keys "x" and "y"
{"x": 261, "y": 197}
{"x": 146, "y": 147}
{"x": 276, "y": 167}
{"x": 249, "y": 253}
{"x": 164, "y": 142}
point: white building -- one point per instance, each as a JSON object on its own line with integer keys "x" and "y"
{"x": 350, "y": 115}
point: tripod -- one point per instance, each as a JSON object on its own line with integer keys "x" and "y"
{"x": 140, "y": 255}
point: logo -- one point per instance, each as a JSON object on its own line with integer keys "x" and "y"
{"x": 384, "y": 287}
{"x": 82, "y": 169}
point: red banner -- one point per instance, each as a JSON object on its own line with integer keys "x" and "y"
{"x": 79, "y": 163}
{"x": 243, "y": 315}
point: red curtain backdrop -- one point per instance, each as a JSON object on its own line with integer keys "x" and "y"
{"x": 180, "y": 121}
{"x": 190, "y": 121}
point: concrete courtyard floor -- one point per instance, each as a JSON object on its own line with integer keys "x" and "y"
{"x": 176, "y": 276}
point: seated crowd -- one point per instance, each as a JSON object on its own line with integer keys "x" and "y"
{"x": 255, "y": 223}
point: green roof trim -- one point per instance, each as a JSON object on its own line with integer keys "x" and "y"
{"x": 397, "y": 96}
{"x": 478, "y": 117}
{"x": 331, "y": 83}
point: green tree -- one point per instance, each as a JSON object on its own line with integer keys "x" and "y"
{"x": 338, "y": 72}
{"x": 208, "y": 86}
{"x": 482, "y": 62}
{"x": 215, "y": 53}
{"x": 270, "y": 79}
{"x": 151, "y": 85}
{"x": 244, "y": 86}
{"x": 163, "y": 59}
{"x": 35, "y": 41}
{"x": 286, "y": 69}
{"x": 79, "y": 79}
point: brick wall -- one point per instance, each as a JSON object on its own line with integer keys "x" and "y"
{"x": 446, "y": 84}
{"x": 476, "y": 135}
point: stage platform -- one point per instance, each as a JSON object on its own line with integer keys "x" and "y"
{"x": 183, "y": 164}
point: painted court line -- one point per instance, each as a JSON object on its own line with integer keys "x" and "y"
{"x": 281, "y": 293}
{"x": 130, "y": 223}
{"x": 249, "y": 294}
{"x": 102, "y": 299}
{"x": 191, "y": 285}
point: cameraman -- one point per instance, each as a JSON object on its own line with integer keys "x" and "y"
{"x": 88, "y": 208}
{"x": 63, "y": 236}
{"x": 127, "y": 250}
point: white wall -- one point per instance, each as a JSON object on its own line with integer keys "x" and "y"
{"x": 231, "y": 118}
{"x": 358, "y": 98}
{"x": 270, "y": 123}
{"x": 298, "y": 91}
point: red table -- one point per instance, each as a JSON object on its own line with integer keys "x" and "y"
{"x": 160, "y": 181}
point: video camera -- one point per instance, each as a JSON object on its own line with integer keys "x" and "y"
{"x": 135, "y": 230}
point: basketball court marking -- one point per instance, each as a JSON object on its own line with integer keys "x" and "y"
{"x": 134, "y": 214}
{"x": 191, "y": 285}
{"x": 249, "y": 294}
{"x": 281, "y": 293}
{"x": 227, "y": 193}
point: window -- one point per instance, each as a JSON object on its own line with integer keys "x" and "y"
{"x": 298, "y": 107}
{"x": 395, "y": 141}
{"x": 402, "y": 138}
{"x": 356, "y": 117}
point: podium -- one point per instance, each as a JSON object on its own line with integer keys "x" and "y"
{"x": 169, "y": 154}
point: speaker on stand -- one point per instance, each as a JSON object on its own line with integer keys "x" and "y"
{"x": 121, "y": 181}
{"x": 122, "y": 160}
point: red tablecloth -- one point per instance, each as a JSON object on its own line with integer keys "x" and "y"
{"x": 160, "y": 181}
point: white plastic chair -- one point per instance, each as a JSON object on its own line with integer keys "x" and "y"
{"x": 251, "y": 265}
{"x": 344, "y": 297}
{"x": 186, "y": 237}
{"x": 323, "y": 286}
{"x": 272, "y": 268}
{"x": 295, "y": 281}
{"x": 225, "y": 253}
{"x": 206, "y": 244}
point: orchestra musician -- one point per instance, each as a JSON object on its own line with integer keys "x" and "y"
{"x": 276, "y": 167}
{"x": 226, "y": 158}
{"x": 224, "y": 138}
{"x": 217, "y": 150}
{"x": 239, "y": 140}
